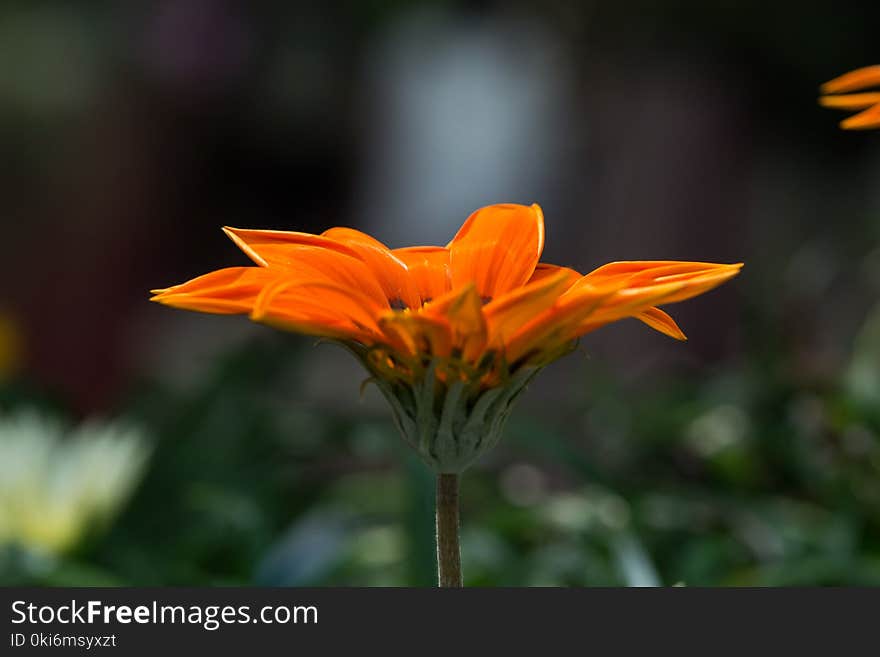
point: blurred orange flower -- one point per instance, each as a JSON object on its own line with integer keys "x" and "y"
{"x": 482, "y": 297}
{"x": 838, "y": 96}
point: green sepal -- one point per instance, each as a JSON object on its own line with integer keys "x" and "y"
{"x": 451, "y": 425}
{"x": 450, "y": 421}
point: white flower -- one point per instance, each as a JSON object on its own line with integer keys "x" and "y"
{"x": 57, "y": 484}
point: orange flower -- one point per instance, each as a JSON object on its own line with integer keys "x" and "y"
{"x": 867, "y": 101}
{"x": 450, "y": 334}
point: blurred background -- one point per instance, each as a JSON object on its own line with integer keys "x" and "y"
{"x": 145, "y": 446}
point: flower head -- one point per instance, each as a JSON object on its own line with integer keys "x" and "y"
{"x": 450, "y": 334}
{"x": 838, "y": 94}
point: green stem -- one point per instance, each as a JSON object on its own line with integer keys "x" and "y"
{"x": 448, "y": 549}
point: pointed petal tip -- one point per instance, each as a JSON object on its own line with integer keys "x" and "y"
{"x": 240, "y": 234}
{"x": 660, "y": 321}
{"x": 724, "y": 273}
{"x": 232, "y": 233}
{"x": 850, "y": 101}
{"x": 163, "y": 298}
{"x": 235, "y": 235}
{"x": 162, "y": 295}
{"x": 861, "y": 78}
{"x": 728, "y": 271}
{"x": 867, "y": 120}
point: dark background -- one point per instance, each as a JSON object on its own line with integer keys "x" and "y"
{"x": 659, "y": 130}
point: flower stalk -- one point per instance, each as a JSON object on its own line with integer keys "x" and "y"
{"x": 448, "y": 544}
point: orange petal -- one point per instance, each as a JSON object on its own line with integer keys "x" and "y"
{"x": 389, "y": 271}
{"x": 635, "y": 275}
{"x": 861, "y": 78}
{"x": 653, "y": 317}
{"x": 225, "y": 291}
{"x": 497, "y": 248}
{"x": 633, "y": 301}
{"x": 582, "y": 309}
{"x": 660, "y": 321}
{"x": 272, "y": 248}
{"x": 508, "y": 313}
{"x": 693, "y": 283}
{"x": 851, "y": 101}
{"x": 630, "y": 301}
{"x": 318, "y": 308}
{"x": 428, "y": 267}
{"x": 646, "y": 269}
{"x": 463, "y": 310}
{"x": 867, "y": 120}
{"x": 309, "y": 257}
{"x": 557, "y": 324}
{"x": 616, "y": 291}
{"x": 417, "y": 333}
{"x": 544, "y": 270}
